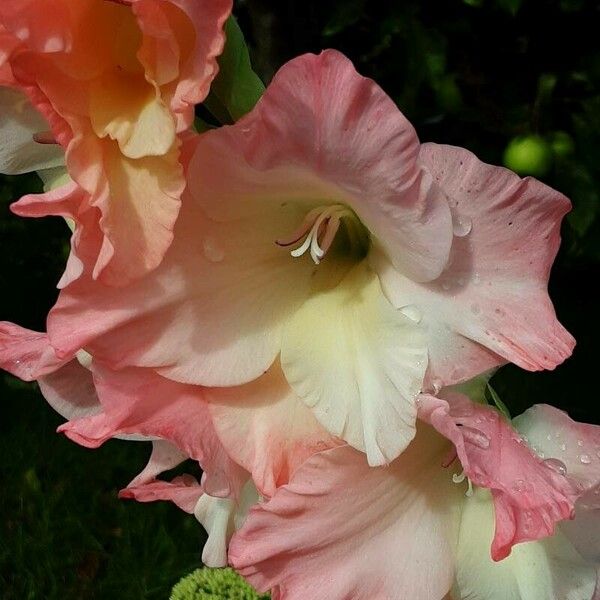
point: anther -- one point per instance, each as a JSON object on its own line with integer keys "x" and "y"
{"x": 318, "y": 230}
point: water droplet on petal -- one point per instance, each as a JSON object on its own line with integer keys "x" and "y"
{"x": 556, "y": 465}
{"x": 519, "y": 485}
{"x": 563, "y": 447}
{"x": 246, "y": 131}
{"x": 436, "y": 385}
{"x": 580, "y": 443}
{"x": 212, "y": 250}
{"x": 585, "y": 459}
{"x": 412, "y": 312}
{"x": 461, "y": 225}
{"x": 476, "y": 279}
{"x": 445, "y": 286}
{"x": 476, "y": 437}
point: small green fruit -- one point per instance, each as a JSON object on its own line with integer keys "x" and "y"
{"x": 528, "y": 155}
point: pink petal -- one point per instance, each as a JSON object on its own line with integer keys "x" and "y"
{"x": 341, "y": 530}
{"x": 212, "y": 313}
{"x": 7, "y": 44}
{"x": 70, "y": 391}
{"x": 65, "y": 383}
{"x": 194, "y": 67}
{"x": 530, "y": 496}
{"x": 266, "y": 428}
{"x": 68, "y": 201}
{"x": 184, "y": 491}
{"x": 27, "y": 354}
{"x": 138, "y": 401}
{"x": 136, "y": 236}
{"x": 554, "y": 435}
{"x": 123, "y": 150}
{"x": 42, "y": 24}
{"x": 164, "y": 456}
{"x": 547, "y": 569}
{"x": 491, "y": 303}
{"x": 359, "y": 143}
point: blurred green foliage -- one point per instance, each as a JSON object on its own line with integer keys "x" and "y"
{"x": 475, "y": 73}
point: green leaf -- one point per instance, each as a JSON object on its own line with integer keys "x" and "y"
{"x": 475, "y": 388}
{"x": 498, "y": 402}
{"x": 237, "y": 88}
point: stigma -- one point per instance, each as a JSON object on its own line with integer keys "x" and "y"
{"x": 317, "y": 231}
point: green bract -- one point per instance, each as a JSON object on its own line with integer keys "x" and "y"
{"x": 214, "y": 584}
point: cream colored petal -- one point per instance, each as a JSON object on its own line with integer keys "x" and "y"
{"x": 358, "y": 363}
{"x": 545, "y": 570}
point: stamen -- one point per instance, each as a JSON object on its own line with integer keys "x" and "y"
{"x": 316, "y": 252}
{"x": 320, "y": 227}
{"x": 459, "y": 478}
{"x": 449, "y": 458}
{"x": 298, "y": 252}
{"x": 304, "y": 228}
{"x": 44, "y": 137}
{"x": 332, "y": 228}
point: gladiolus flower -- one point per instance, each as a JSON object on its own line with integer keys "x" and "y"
{"x": 117, "y": 81}
{"x": 318, "y": 234}
{"x": 341, "y": 529}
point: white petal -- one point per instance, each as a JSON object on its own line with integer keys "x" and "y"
{"x": 221, "y": 517}
{"x": 545, "y": 570}
{"x": 19, "y": 121}
{"x": 358, "y": 363}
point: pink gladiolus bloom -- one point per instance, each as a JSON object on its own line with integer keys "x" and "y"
{"x": 331, "y": 525}
{"x": 116, "y": 81}
{"x": 341, "y": 529}
{"x": 319, "y": 237}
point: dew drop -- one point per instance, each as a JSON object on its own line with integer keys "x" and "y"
{"x": 556, "y": 465}
{"x": 580, "y": 443}
{"x": 212, "y": 250}
{"x": 476, "y": 279}
{"x": 412, "y": 312}
{"x": 563, "y": 447}
{"x": 519, "y": 485}
{"x": 461, "y": 225}
{"x": 436, "y": 385}
{"x": 445, "y": 286}
{"x": 585, "y": 459}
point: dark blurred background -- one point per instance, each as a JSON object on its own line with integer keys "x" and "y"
{"x": 484, "y": 74}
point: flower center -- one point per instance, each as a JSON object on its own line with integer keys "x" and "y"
{"x": 319, "y": 229}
